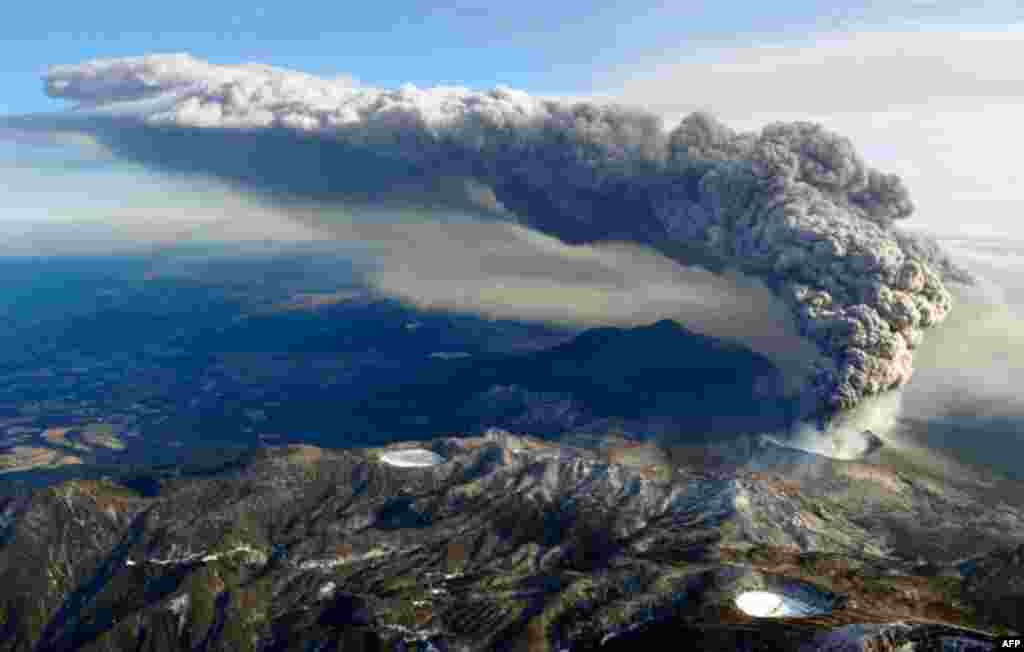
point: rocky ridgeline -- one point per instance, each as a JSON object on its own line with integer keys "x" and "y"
{"x": 499, "y": 542}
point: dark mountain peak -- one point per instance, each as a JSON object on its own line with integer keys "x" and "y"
{"x": 653, "y": 373}
{"x": 667, "y": 325}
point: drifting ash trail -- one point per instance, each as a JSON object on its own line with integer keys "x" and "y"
{"x": 793, "y": 204}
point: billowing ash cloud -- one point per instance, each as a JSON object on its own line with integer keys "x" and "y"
{"x": 793, "y": 204}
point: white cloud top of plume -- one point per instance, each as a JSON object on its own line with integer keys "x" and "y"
{"x": 181, "y": 90}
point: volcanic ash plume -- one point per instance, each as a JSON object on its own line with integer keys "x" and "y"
{"x": 793, "y": 204}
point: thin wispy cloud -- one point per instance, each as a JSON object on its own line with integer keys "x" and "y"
{"x": 939, "y": 106}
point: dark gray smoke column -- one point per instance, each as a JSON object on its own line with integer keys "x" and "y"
{"x": 793, "y": 204}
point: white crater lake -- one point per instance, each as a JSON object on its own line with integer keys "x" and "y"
{"x": 412, "y": 457}
{"x": 768, "y": 604}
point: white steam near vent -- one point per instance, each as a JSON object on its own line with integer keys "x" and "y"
{"x": 792, "y": 204}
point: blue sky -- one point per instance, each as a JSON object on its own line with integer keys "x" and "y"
{"x": 562, "y": 47}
